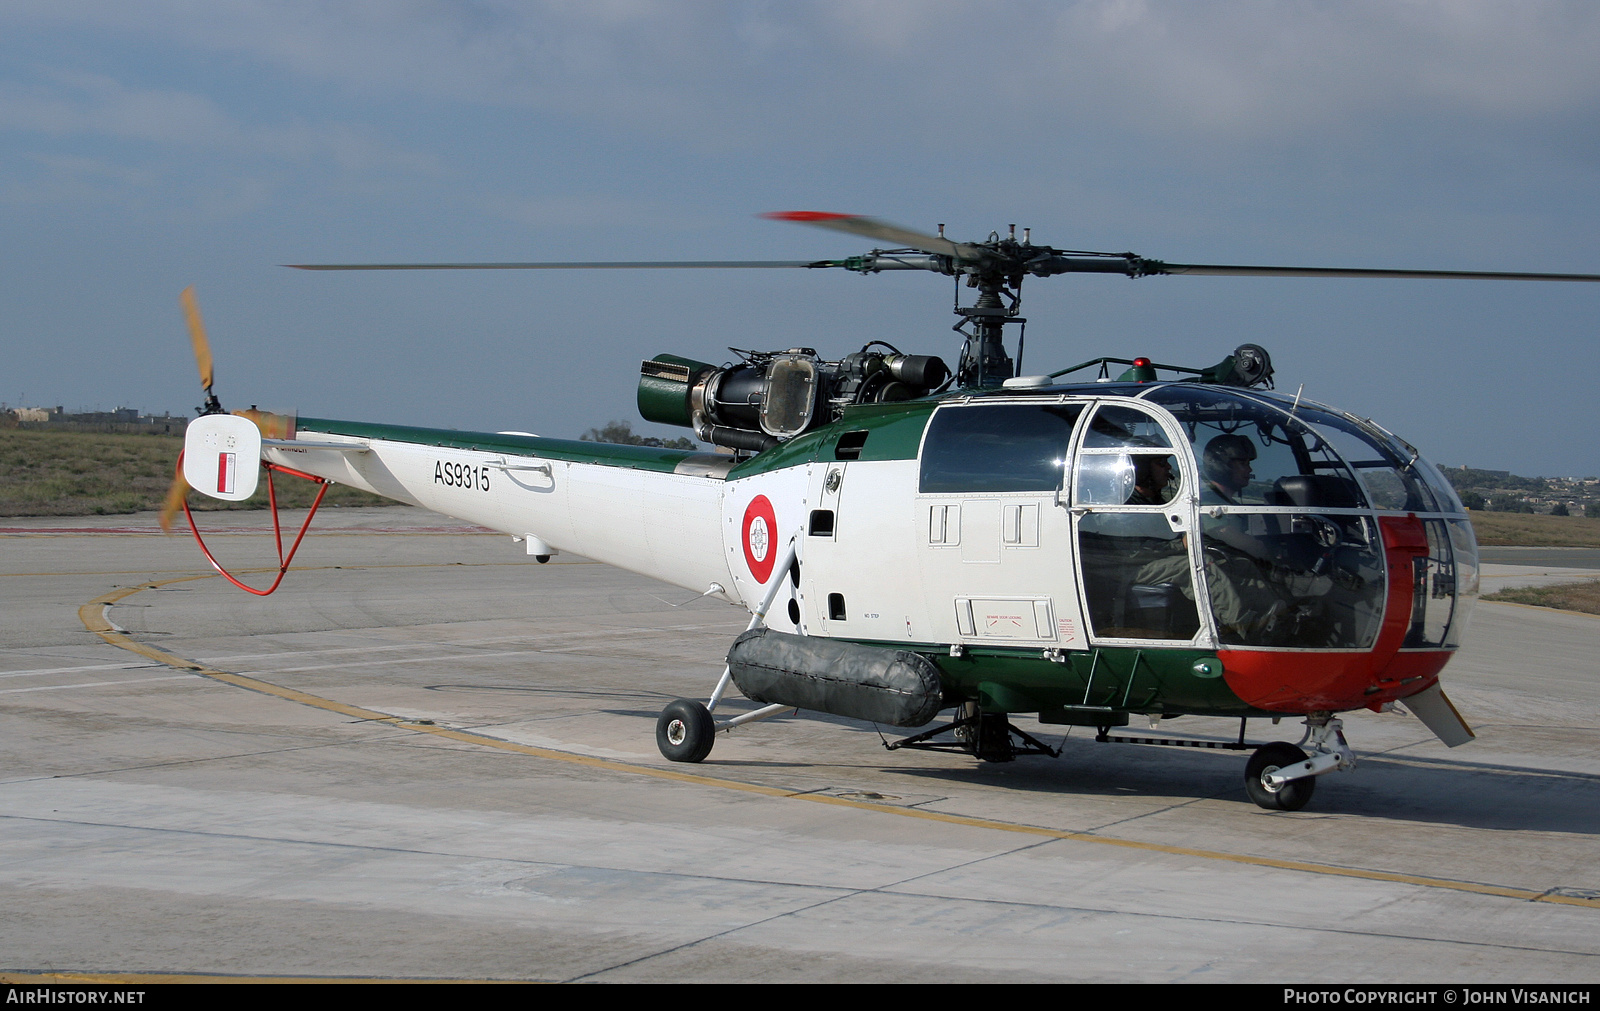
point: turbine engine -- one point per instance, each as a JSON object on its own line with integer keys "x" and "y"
{"x": 772, "y": 396}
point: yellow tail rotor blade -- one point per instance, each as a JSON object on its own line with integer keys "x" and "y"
{"x": 176, "y": 493}
{"x": 197, "y": 336}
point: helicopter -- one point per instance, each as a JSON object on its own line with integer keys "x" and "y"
{"x": 912, "y": 539}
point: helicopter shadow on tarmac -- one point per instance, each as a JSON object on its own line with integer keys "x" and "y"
{"x": 1445, "y": 791}
{"x": 1484, "y": 795}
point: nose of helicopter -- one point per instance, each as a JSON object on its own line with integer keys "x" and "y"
{"x": 1302, "y": 680}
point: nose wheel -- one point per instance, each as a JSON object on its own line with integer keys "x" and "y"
{"x": 1272, "y": 795}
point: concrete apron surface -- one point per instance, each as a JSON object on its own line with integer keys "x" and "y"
{"x": 428, "y": 757}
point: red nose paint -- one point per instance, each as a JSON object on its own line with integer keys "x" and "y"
{"x": 1302, "y": 680}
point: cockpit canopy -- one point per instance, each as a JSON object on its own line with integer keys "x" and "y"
{"x": 1286, "y": 498}
{"x": 1304, "y": 455}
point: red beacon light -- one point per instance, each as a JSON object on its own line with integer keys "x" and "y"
{"x": 1141, "y": 371}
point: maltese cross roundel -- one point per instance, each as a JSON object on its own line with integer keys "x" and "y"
{"x": 760, "y": 533}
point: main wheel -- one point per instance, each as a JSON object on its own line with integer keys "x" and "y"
{"x": 685, "y": 732}
{"x": 1268, "y": 758}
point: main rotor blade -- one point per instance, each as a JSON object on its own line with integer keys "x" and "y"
{"x": 883, "y": 231}
{"x": 197, "y": 336}
{"x": 572, "y": 265}
{"x": 1239, "y": 270}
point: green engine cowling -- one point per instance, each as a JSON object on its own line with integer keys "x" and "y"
{"x": 665, "y": 383}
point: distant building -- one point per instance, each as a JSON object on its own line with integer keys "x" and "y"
{"x": 126, "y": 420}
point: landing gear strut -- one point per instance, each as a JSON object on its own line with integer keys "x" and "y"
{"x": 686, "y": 730}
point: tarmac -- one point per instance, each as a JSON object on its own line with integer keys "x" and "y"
{"x": 428, "y": 757}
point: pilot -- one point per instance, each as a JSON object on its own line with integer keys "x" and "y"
{"x": 1250, "y": 597}
{"x": 1226, "y": 463}
{"x": 1151, "y": 476}
{"x": 1249, "y": 605}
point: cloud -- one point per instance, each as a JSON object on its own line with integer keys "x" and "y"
{"x": 1232, "y": 71}
{"x": 67, "y": 103}
{"x": 46, "y": 179}
{"x": 163, "y": 137}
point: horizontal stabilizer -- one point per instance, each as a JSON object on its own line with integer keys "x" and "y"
{"x": 1434, "y": 709}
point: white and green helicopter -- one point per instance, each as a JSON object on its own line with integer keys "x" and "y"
{"x": 911, "y": 540}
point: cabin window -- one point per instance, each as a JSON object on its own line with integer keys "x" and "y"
{"x": 1118, "y": 427}
{"x": 997, "y": 448}
{"x": 1137, "y": 573}
{"x": 1137, "y": 576}
{"x": 1121, "y": 462}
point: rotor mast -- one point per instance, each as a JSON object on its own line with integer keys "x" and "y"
{"x": 984, "y": 361}
{"x": 995, "y": 268}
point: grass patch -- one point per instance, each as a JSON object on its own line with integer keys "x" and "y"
{"x": 1583, "y": 597}
{"x": 90, "y": 473}
{"x": 1527, "y": 530}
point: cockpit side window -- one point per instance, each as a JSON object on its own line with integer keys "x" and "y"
{"x": 997, "y": 448}
{"x": 1132, "y": 479}
{"x": 1118, "y": 427}
{"x": 1125, "y": 460}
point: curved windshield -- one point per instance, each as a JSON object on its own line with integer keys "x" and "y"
{"x": 1286, "y": 558}
{"x": 1253, "y": 453}
{"x": 1313, "y": 574}
{"x": 1394, "y": 474}
{"x": 1294, "y": 579}
{"x": 1444, "y": 582}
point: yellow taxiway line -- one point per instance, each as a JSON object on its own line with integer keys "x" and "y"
{"x": 93, "y": 616}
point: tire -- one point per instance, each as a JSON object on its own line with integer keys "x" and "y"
{"x": 685, "y": 732}
{"x": 1291, "y": 796}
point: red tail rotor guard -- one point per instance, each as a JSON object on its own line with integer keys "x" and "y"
{"x": 277, "y": 532}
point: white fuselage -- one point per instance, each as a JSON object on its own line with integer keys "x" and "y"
{"x": 880, "y": 574}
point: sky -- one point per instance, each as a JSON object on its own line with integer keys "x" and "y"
{"x": 146, "y": 147}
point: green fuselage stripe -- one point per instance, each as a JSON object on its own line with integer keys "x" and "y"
{"x": 569, "y": 450}
{"x": 1155, "y": 679}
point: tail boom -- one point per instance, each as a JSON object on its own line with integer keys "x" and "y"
{"x": 656, "y": 512}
